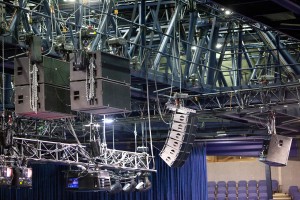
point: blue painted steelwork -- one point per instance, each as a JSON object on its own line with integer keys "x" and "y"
{"x": 212, "y": 64}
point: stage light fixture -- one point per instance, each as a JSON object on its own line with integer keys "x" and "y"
{"x": 108, "y": 120}
{"x": 140, "y": 185}
{"x": 116, "y": 187}
{"x": 128, "y": 187}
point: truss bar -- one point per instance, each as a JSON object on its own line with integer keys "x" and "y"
{"x": 269, "y": 43}
{"x": 239, "y": 56}
{"x": 58, "y": 152}
{"x": 222, "y": 55}
{"x": 254, "y": 71}
{"x": 155, "y": 23}
{"x": 212, "y": 53}
{"x": 234, "y": 68}
{"x": 136, "y": 39}
{"x": 194, "y": 68}
{"x": 294, "y": 65}
{"x": 191, "y": 33}
{"x": 102, "y": 25}
{"x": 166, "y": 38}
{"x": 246, "y": 54}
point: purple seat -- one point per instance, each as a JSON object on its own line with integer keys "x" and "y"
{"x": 231, "y": 196}
{"x": 293, "y": 189}
{"x": 211, "y": 190}
{"x": 221, "y": 190}
{"x": 275, "y": 185}
{"x": 242, "y": 189}
{"x": 262, "y": 182}
{"x": 296, "y": 195}
{"x": 221, "y": 196}
{"x": 211, "y": 184}
{"x": 252, "y": 189}
{"x": 242, "y": 196}
{"x": 211, "y": 196}
{"x": 242, "y": 183}
{"x": 231, "y": 184}
{"x": 263, "y": 195}
{"x": 253, "y": 195}
{"x": 231, "y": 190}
{"x": 262, "y": 188}
{"x": 252, "y": 183}
{"x": 221, "y": 184}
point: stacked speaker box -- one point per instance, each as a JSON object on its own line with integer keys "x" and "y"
{"x": 53, "y": 90}
{"x": 276, "y": 150}
{"x": 180, "y": 139}
{"x": 111, "y": 83}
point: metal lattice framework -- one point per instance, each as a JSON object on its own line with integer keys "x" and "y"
{"x": 75, "y": 154}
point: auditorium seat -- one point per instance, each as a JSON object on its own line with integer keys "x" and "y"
{"x": 242, "y": 183}
{"x": 262, "y": 188}
{"x": 262, "y": 183}
{"x": 221, "y": 184}
{"x": 231, "y": 196}
{"x": 263, "y": 195}
{"x": 211, "y": 184}
{"x": 211, "y": 190}
{"x": 252, "y": 183}
{"x": 242, "y": 189}
{"x": 221, "y": 196}
{"x": 275, "y": 186}
{"x": 252, "y": 189}
{"x": 211, "y": 196}
{"x": 231, "y": 184}
{"x": 293, "y": 189}
{"x": 242, "y": 196}
{"x": 231, "y": 190}
{"x": 296, "y": 195}
{"x": 221, "y": 190}
{"x": 252, "y": 196}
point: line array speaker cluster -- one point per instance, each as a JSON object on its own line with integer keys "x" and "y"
{"x": 180, "y": 139}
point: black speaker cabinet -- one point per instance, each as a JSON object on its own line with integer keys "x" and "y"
{"x": 180, "y": 140}
{"x": 50, "y": 71}
{"x": 276, "y": 151}
{"x": 107, "y": 66}
{"x": 109, "y": 97}
{"x": 53, "y": 102}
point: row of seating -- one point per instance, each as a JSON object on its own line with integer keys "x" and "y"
{"x": 241, "y": 196}
{"x": 241, "y": 190}
{"x": 243, "y": 183}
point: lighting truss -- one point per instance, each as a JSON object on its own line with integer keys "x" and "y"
{"x": 75, "y": 154}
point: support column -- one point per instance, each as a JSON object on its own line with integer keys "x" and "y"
{"x": 269, "y": 181}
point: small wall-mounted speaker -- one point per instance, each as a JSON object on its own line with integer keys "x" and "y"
{"x": 276, "y": 151}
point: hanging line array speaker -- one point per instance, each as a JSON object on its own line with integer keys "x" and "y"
{"x": 180, "y": 139}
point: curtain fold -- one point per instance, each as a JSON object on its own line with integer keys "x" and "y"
{"x": 186, "y": 183}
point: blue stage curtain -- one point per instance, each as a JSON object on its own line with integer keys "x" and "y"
{"x": 186, "y": 183}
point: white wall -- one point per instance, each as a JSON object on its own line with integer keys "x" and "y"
{"x": 290, "y": 175}
{"x": 244, "y": 170}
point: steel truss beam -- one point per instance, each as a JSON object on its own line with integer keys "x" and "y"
{"x": 76, "y": 154}
{"x": 259, "y": 97}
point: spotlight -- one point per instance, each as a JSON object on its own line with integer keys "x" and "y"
{"x": 228, "y": 12}
{"x": 108, "y": 121}
{"x": 117, "y": 187}
{"x": 218, "y": 45}
{"x": 140, "y": 185}
{"x": 128, "y": 187}
{"x": 144, "y": 185}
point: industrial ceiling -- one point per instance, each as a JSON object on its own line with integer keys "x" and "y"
{"x": 238, "y": 63}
